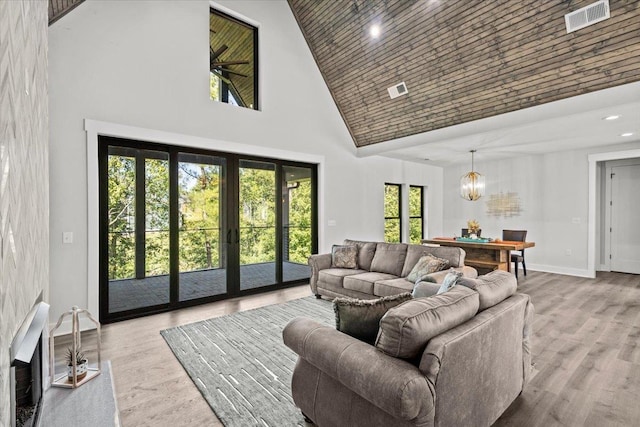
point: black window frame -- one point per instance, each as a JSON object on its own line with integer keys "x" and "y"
{"x": 399, "y": 217}
{"x": 421, "y": 217}
{"x": 224, "y": 87}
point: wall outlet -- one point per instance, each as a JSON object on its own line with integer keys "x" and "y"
{"x": 568, "y": 252}
{"x": 67, "y": 237}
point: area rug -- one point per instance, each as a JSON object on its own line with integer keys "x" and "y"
{"x": 240, "y": 364}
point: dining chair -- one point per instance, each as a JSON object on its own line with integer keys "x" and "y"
{"x": 516, "y": 236}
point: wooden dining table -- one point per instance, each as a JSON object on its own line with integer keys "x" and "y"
{"x": 484, "y": 256}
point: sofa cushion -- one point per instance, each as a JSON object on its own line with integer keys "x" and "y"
{"x": 493, "y": 287}
{"x": 405, "y": 330}
{"x": 361, "y": 318}
{"x": 455, "y": 256}
{"x": 426, "y": 265}
{"x": 449, "y": 281}
{"x": 344, "y": 256}
{"x": 363, "y": 282}
{"x": 335, "y": 276}
{"x": 392, "y": 286}
{"x": 366, "y": 251}
{"x": 389, "y": 258}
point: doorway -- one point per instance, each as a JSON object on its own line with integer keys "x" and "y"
{"x": 622, "y": 204}
{"x": 181, "y": 226}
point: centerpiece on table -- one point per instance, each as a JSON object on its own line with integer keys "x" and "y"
{"x": 473, "y": 226}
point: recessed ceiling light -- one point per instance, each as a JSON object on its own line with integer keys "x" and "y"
{"x": 627, "y": 134}
{"x": 375, "y": 31}
{"x": 611, "y": 118}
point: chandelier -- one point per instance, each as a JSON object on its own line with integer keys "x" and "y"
{"x": 472, "y": 184}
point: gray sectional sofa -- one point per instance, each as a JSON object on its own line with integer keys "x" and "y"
{"x": 455, "y": 359}
{"x": 381, "y": 270}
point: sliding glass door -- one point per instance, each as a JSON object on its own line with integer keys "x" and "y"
{"x": 137, "y": 240}
{"x": 180, "y": 227}
{"x": 202, "y": 212}
{"x": 257, "y": 216}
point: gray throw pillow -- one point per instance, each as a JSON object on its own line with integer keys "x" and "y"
{"x": 344, "y": 256}
{"x": 361, "y": 318}
{"x": 449, "y": 281}
{"x": 426, "y": 265}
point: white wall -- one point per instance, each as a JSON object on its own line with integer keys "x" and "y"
{"x": 145, "y": 64}
{"x": 554, "y": 194}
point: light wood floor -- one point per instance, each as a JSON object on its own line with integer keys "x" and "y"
{"x": 586, "y": 354}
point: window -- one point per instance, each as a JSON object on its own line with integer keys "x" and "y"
{"x": 392, "y": 220}
{"x": 416, "y": 217}
{"x": 233, "y": 60}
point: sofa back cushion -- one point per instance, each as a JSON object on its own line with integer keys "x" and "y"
{"x": 492, "y": 288}
{"x": 455, "y": 256}
{"x": 389, "y": 258}
{"x": 366, "y": 251}
{"x": 405, "y": 330}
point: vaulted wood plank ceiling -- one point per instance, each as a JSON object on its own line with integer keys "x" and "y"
{"x": 59, "y": 8}
{"x": 461, "y": 60}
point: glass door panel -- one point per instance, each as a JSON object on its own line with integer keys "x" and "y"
{"x": 202, "y": 220}
{"x": 257, "y": 220}
{"x": 297, "y": 190}
{"x": 138, "y": 228}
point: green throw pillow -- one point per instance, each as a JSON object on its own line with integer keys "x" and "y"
{"x": 426, "y": 265}
{"x": 344, "y": 256}
{"x": 361, "y": 318}
{"x": 449, "y": 280}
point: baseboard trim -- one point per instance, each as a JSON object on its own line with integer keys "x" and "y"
{"x": 561, "y": 270}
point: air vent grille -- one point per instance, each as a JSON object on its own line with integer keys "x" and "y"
{"x": 397, "y": 90}
{"x": 588, "y": 15}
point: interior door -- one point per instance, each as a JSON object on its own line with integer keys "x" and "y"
{"x": 625, "y": 230}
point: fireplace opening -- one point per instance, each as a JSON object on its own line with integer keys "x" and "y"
{"x": 28, "y": 389}
{"x": 28, "y": 355}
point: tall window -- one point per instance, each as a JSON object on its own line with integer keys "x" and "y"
{"x": 392, "y": 213}
{"x": 416, "y": 217}
{"x": 233, "y": 60}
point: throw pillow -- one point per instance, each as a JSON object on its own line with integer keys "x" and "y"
{"x": 426, "y": 265}
{"x": 449, "y": 280}
{"x": 361, "y": 318}
{"x": 343, "y": 256}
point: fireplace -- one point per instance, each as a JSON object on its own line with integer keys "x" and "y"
{"x": 29, "y": 366}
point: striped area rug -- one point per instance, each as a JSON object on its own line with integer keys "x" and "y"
{"x": 240, "y": 364}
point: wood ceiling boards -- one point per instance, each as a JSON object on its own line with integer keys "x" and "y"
{"x": 59, "y": 8}
{"x": 462, "y": 60}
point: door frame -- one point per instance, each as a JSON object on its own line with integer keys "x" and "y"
{"x": 95, "y": 129}
{"x": 608, "y": 189}
{"x": 594, "y": 237}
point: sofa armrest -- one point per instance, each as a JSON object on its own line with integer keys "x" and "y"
{"x": 394, "y": 385}
{"x": 317, "y": 263}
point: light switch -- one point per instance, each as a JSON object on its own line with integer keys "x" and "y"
{"x": 67, "y": 237}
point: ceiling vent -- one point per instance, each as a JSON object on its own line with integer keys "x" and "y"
{"x": 588, "y": 15}
{"x": 397, "y": 90}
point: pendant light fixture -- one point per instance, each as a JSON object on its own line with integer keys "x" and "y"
{"x": 472, "y": 184}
